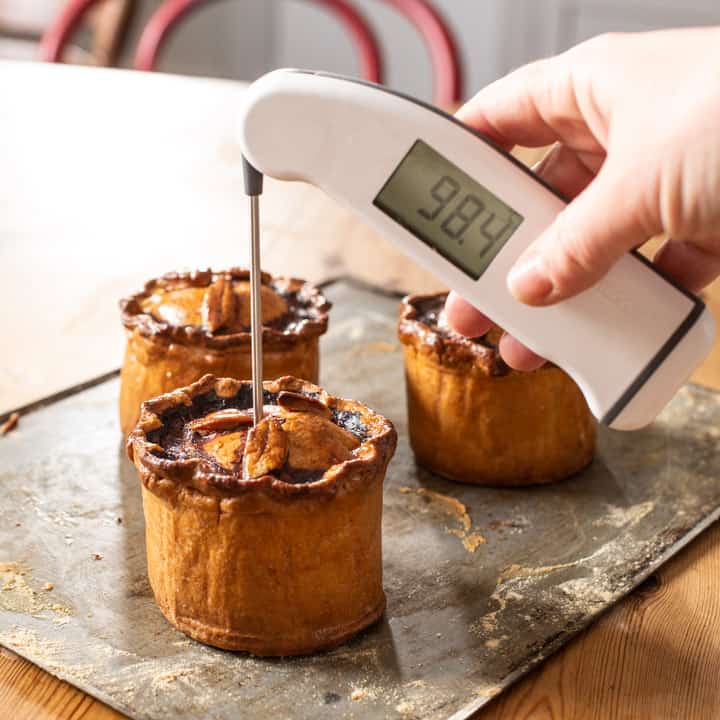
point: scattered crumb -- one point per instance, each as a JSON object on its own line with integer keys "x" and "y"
{"x": 10, "y": 424}
{"x": 15, "y": 568}
{"x": 492, "y": 643}
{"x": 406, "y": 709}
{"x": 518, "y": 571}
{"x": 168, "y": 678}
{"x": 473, "y": 541}
{"x": 18, "y": 524}
{"x": 77, "y": 672}
{"x": 470, "y": 542}
{"x": 451, "y": 506}
{"x": 97, "y": 556}
{"x": 118, "y": 521}
{"x": 590, "y": 591}
{"x": 19, "y": 597}
{"x": 618, "y": 517}
{"x": 27, "y": 642}
{"x": 416, "y": 684}
{"x": 365, "y": 692}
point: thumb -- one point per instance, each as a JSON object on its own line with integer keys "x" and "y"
{"x": 583, "y": 242}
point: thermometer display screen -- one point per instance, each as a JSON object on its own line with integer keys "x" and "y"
{"x": 448, "y": 210}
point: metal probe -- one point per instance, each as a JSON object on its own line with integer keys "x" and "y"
{"x": 253, "y": 188}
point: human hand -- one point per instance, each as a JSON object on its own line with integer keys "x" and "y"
{"x": 634, "y": 119}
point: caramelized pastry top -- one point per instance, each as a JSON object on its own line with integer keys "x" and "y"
{"x": 211, "y": 308}
{"x": 203, "y": 435}
{"x": 422, "y": 324}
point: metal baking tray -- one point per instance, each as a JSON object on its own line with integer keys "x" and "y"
{"x": 482, "y": 584}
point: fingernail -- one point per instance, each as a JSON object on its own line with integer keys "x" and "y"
{"x": 528, "y": 280}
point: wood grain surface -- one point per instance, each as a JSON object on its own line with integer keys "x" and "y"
{"x": 656, "y": 655}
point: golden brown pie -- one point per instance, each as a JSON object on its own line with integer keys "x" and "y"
{"x": 473, "y": 419}
{"x": 266, "y": 538}
{"x": 182, "y": 326}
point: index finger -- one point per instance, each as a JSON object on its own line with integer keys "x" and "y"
{"x": 538, "y": 104}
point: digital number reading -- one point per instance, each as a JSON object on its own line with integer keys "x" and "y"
{"x": 448, "y": 210}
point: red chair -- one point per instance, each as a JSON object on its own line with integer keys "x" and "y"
{"x": 171, "y": 12}
{"x": 440, "y": 42}
{"x": 57, "y": 35}
{"x": 430, "y": 24}
{"x": 435, "y": 32}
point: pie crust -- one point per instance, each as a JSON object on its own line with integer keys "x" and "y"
{"x": 473, "y": 419}
{"x": 264, "y": 539}
{"x": 183, "y": 325}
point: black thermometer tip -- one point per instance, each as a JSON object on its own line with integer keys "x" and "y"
{"x": 253, "y": 179}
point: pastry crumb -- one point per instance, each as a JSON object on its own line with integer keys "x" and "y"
{"x": 118, "y": 521}
{"x": 449, "y": 505}
{"x": 453, "y": 508}
{"x": 358, "y": 694}
{"x": 10, "y": 424}
{"x": 416, "y": 684}
{"x": 473, "y": 541}
{"x": 406, "y": 709}
{"x": 97, "y": 556}
{"x": 48, "y": 586}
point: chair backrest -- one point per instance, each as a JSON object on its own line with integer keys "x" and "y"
{"x": 447, "y": 69}
{"x": 108, "y": 29}
{"x": 422, "y": 14}
{"x": 171, "y": 12}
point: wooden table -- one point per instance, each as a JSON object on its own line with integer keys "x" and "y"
{"x": 88, "y": 215}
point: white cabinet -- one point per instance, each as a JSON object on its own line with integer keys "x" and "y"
{"x": 494, "y": 35}
{"x": 537, "y": 28}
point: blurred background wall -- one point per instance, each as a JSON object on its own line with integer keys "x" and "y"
{"x": 243, "y": 38}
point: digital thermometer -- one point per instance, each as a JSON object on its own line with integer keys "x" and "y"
{"x": 466, "y": 210}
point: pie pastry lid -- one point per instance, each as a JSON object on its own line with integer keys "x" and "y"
{"x": 211, "y": 319}
{"x": 194, "y": 478}
{"x": 446, "y": 347}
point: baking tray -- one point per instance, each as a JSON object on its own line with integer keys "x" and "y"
{"x": 482, "y": 584}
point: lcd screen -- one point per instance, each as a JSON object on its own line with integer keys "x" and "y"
{"x": 448, "y": 210}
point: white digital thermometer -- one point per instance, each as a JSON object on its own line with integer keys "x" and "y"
{"x": 466, "y": 210}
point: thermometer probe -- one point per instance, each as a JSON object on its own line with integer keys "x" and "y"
{"x": 253, "y": 188}
{"x": 466, "y": 210}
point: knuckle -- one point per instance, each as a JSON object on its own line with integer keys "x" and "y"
{"x": 602, "y": 44}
